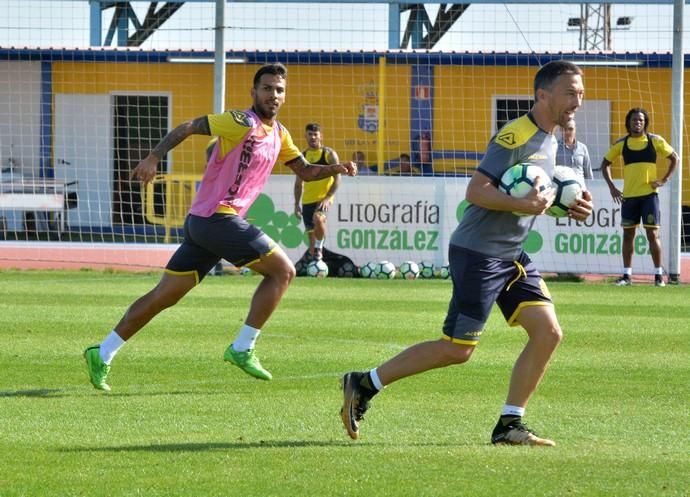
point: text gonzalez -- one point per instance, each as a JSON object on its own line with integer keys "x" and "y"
{"x": 393, "y": 235}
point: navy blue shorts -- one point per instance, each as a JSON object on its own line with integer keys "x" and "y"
{"x": 478, "y": 282}
{"x": 207, "y": 240}
{"x": 645, "y": 208}
{"x": 308, "y": 213}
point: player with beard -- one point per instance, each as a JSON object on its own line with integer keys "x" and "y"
{"x": 249, "y": 144}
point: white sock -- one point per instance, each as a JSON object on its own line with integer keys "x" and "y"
{"x": 627, "y": 271}
{"x": 246, "y": 338}
{"x": 659, "y": 270}
{"x": 110, "y": 346}
{"x": 318, "y": 244}
{"x": 375, "y": 380}
{"x": 509, "y": 410}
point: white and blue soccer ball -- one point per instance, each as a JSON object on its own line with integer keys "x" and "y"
{"x": 519, "y": 179}
{"x": 317, "y": 269}
{"x": 385, "y": 270}
{"x": 409, "y": 270}
{"x": 368, "y": 270}
{"x": 426, "y": 269}
{"x": 569, "y": 187}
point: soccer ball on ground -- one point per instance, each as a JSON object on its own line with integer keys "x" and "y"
{"x": 385, "y": 270}
{"x": 347, "y": 270}
{"x": 409, "y": 270}
{"x": 368, "y": 270}
{"x": 317, "y": 269}
{"x": 518, "y": 180}
{"x": 569, "y": 187}
{"x": 426, "y": 269}
{"x": 444, "y": 272}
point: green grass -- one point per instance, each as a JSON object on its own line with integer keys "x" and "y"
{"x": 180, "y": 422}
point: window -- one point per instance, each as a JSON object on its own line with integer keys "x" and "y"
{"x": 139, "y": 122}
{"x": 509, "y": 108}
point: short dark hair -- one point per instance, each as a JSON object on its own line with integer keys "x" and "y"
{"x": 312, "y": 127}
{"x": 276, "y": 69}
{"x": 405, "y": 156}
{"x": 636, "y": 110}
{"x": 551, "y": 71}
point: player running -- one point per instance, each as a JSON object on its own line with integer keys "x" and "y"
{"x": 249, "y": 145}
{"x": 488, "y": 264}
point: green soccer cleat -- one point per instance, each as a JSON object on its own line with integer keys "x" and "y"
{"x": 98, "y": 370}
{"x": 247, "y": 362}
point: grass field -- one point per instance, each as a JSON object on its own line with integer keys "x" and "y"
{"x": 180, "y": 422}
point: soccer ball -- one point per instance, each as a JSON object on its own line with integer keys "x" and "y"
{"x": 317, "y": 269}
{"x": 426, "y": 269}
{"x": 409, "y": 270}
{"x": 569, "y": 187}
{"x": 385, "y": 270}
{"x": 368, "y": 270}
{"x": 518, "y": 180}
{"x": 444, "y": 272}
{"x": 347, "y": 270}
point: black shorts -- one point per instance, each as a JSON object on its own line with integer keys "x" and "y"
{"x": 646, "y": 208}
{"x": 479, "y": 281}
{"x": 308, "y": 213}
{"x": 207, "y": 240}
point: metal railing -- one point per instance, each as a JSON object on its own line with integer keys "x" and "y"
{"x": 177, "y": 193}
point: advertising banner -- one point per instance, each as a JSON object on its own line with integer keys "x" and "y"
{"x": 377, "y": 218}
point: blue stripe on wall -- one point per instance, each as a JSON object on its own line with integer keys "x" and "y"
{"x": 422, "y": 117}
{"x": 45, "y": 164}
{"x": 329, "y": 58}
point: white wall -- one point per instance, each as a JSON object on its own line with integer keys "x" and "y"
{"x": 20, "y": 114}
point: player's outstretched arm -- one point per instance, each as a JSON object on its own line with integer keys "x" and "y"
{"x": 145, "y": 171}
{"x": 311, "y": 172}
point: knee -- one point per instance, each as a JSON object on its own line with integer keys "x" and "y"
{"x": 456, "y": 353}
{"x": 553, "y": 336}
{"x": 168, "y": 298}
{"x": 285, "y": 274}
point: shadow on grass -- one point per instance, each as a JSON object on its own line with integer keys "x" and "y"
{"x": 38, "y": 392}
{"x": 54, "y": 393}
{"x": 202, "y": 447}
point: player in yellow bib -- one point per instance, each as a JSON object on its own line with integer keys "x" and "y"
{"x": 312, "y": 199}
{"x": 639, "y": 198}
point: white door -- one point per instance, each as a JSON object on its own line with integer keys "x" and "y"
{"x": 83, "y": 153}
{"x": 594, "y": 128}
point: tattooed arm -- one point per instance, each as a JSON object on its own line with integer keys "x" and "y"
{"x": 146, "y": 169}
{"x": 311, "y": 172}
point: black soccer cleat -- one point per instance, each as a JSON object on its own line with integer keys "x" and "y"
{"x": 355, "y": 403}
{"x": 517, "y": 433}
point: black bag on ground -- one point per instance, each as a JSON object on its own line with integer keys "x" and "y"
{"x": 339, "y": 265}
